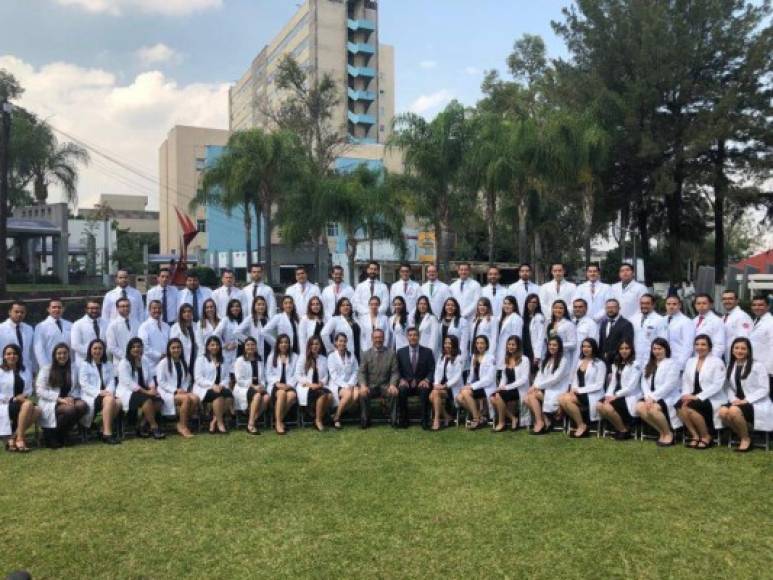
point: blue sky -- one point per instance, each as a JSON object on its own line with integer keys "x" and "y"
{"x": 134, "y": 67}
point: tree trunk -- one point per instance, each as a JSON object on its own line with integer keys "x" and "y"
{"x": 523, "y": 242}
{"x": 674, "y": 217}
{"x": 247, "y": 233}
{"x": 258, "y": 232}
{"x": 720, "y": 194}
{"x": 587, "y": 211}
{"x": 441, "y": 259}
{"x": 351, "y": 253}
{"x": 491, "y": 214}
{"x": 267, "y": 217}
{"x": 644, "y": 235}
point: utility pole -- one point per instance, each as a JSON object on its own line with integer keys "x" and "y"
{"x": 5, "y": 147}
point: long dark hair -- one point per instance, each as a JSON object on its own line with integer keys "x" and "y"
{"x": 19, "y": 365}
{"x": 61, "y": 375}
{"x": 510, "y": 300}
{"x": 231, "y": 303}
{"x": 652, "y": 364}
{"x": 487, "y": 303}
{"x": 705, "y": 337}
{"x": 294, "y": 313}
{"x": 311, "y": 359}
{"x": 417, "y": 318}
{"x": 129, "y": 346}
{"x": 103, "y": 360}
{"x": 279, "y": 339}
{"x": 257, "y": 354}
{"x": 619, "y": 362}
{"x": 335, "y": 339}
{"x": 219, "y": 357}
{"x": 527, "y": 316}
{"x": 403, "y": 317}
{"x": 254, "y": 314}
{"x": 337, "y": 311}
{"x": 184, "y": 326}
{"x": 454, "y": 344}
{"x": 457, "y": 310}
{"x": 750, "y": 358}
{"x": 556, "y": 360}
{"x": 518, "y": 354}
{"x": 310, "y": 314}
{"x": 182, "y": 355}
{"x": 594, "y": 347}
{"x": 204, "y": 319}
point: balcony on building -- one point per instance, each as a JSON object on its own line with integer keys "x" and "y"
{"x": 361, "y": 24}
{"x": 356, "y": 95}
{"x": 361, "y": 118}
{"x": 361, "y": 71}
{"x": 360, "y": 48}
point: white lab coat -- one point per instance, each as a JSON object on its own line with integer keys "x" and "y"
{"x": 453, "y": 368}
{"x": 595, "y": 376}
{"x": 155, "y": 337}
{"x": 681, "y": 338}
{"x": 7, "y": 381}
{"x": 90, "y": 385}
{"x": 205, "y": 330}
{"x": 222, "y": 296}
{"x": 521, "y": 291}
{"x": 274, "y": 371}
{"x": 645, "y": 330}
{"x": 487, "y": 327}
{"x": 567, "y": 332}
{"x": 399, "y": 332}
{"x": 629, "y": 386}
{"x": 553, "y": 383}
{"x": 409, "y": 291}
{"x": 82, "y": 333}
{"x": 172, "y": 302}
{"x": 342, "y": 373}
{"x": 497, "y": 298}
{"x": 186, "y": 297}
{"x": 191, "y": 346}
{"x": 8, "y": 336}
{"x": 429, "y": 332}
{"x": 522, "y": 380}
{"x": 537, "y": 335}
{"x": 252, "y": 290}
{"x": 338, "y": 325}
{"x": 737, "y": 324}
{"x": 204, "y": 375}
{"x": 304, "y": 377}
{"x": 628, "y": 297}
{"x": 756, "y": 390}
{"x": 487, "y": 377}
{"x": 595, "y": 295}
{"x": 512, "y": 325}
{"x": 712, "y": 381}
{"x": 47, "y": 396}
{"x": 666, "y": 386}
{"x": 282, "y": 324}
{"x": 249, "y": 328}
{"x": 584, "y": 328}
{"x": 128, "y": 379}
{"x": 306, "y": 329}
{"x": 549, "y": 293}
{"x": 167, "y": 385}
{"x": 118, "y": 336}
{"x": 461, "y": 330}
{"x": 711, "y": 325}
{"x": 467, "y": 297}
{"x": 46, "y": 336}
{"x": 137, "y": 306}
{"x": 761, "y": 337}
{"x": 228, "y": 333}
{"x": 332, "y": 294}
{"x": 244, "y": 381}
{"x": 362, "y": 296}
{"x": 437, "y": 292}
{"x": 368, "y": 325}
{"x": 302, "y": 294}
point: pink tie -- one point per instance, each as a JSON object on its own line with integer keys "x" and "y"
{"x": 700, "y": 321}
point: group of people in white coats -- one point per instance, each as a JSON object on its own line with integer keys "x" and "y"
{"x": 518, "y": 355}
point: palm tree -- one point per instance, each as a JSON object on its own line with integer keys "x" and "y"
{"x": 434, "y": 153}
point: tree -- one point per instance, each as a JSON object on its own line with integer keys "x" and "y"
{"x": 56, "y": 164}
{"x": 434, "y": 153}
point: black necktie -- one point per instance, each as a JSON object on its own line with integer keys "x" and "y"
{"x": 414, "y": 358}
{"x": 101, "y": 380}
{"x": 19, "y": 338}
{"x": 59, "y": 325}
{"x": 494, "y": 290}
{"x": 296, "y": 350}
{"x": 315, "y": 374}
{"x": 163, "y": 305}
{"x": 254, "y": 290}
{"x": 95, "y": 324}
{"x": 372, "y": 287}
{"x": 128, "y": 324}
{"x": 195, "y": 306}
{"x": 123, "y": 292}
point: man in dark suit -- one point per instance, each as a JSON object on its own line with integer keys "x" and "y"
{"x": 614, "y": 330}
{"x": 417, "y": 372}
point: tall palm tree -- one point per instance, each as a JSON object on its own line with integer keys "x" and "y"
{"x": 55, "y": 163}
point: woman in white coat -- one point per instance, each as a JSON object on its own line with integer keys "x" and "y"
{"x": 96, "y": 379}
{"x": 448, "y": 380}
{"x": 254, "y": 324}
{"x": 188, "y": 333}
{"x": 285, "y": 322}
{"x": 703, "y": 393}
{"x": 175, "y": 386}
{"x": 343, "y": 322}
{"x": 311, "y": 324}
{"x": 230, "y": 337}
{"x": 398, "y": 323}
{"x": 516, "y": 371}
{"x": 534, "y": 341}
{"x": 510, "y": 324}
{"x": 623, "y": 391}
{"x": 211, "y": 383}
{"x": 427, "y": 324}
{"x": 17, "y": 411}
{"x": 484, "y": 324}
{"x": 748, "y": 392}
{"x": 552, "y": 379}
{"x": 452, "y": 323}
{"x": 660, "y": 388}
{"x": 371, "y": 321}
{"x": 481, "y": 384}
{"x": 137, "y": 390}
{"x": 250, "y": 392}
{"x": 561, "y": 325}
{"x": 208, "y": 323}
{"x": 311, "y": 382}
{"x": 586, "y": 389}
{"x": 342, "y": 367}
{"x": 58, "y": 397}
{"x": 280, "y": 380}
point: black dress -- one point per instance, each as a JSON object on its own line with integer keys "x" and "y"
{"x": 619, "y": 404}
{"x": 703, "y": 407}
{"x": 512, "y": 394}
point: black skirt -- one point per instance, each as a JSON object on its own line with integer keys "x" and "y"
{"x": 14, "y": 408}
{"x": 664, "y": 409}
{"x": 621, "y": 408}
{"x": 509, "y": 396}
{"x": 479, "y": 394}
{"x": 212, "y": 395}
{"x": 748, "y": 412}
{"x": 311, "y": 399}
{"x": 138, "y": 399}
{"x": 98, "y": 404}
{"x": 703, "y": 407}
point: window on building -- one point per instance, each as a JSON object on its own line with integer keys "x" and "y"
{"x": 332, "y": 229}
{"x": 200, "y": 163}
{"x": 201, "y": 225}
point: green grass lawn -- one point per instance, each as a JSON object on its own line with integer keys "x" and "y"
{"x": 386, "y": 504}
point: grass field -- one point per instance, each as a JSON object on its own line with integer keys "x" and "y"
{"x": 387, "y": 504}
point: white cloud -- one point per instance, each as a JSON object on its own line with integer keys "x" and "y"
{"x": 166, "y": 7}
{"x": 128, "y": 121}
{"x": 428, "y": 64}
{"x": 430, "y": 103}
{"x": 472, "y": 71}
{"x": 158, "y": 54}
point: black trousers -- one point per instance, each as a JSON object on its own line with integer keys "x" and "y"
{"x": 402, "y": 404}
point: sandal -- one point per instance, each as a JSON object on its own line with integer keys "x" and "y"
{"x": 10, "y": 445}
{"x": 499, "y": 429}
{"x": 702, "y": 445}
{"x": 693, "y": 443}
{"x": 22, "y": 448}
{"x": 337, "y": 425}
{"x": 252, "y": 430}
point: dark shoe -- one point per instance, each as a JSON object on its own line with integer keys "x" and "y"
{"x": 158, "y": 434}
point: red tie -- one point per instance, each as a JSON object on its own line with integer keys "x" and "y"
{"x": 700, "y": 321}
